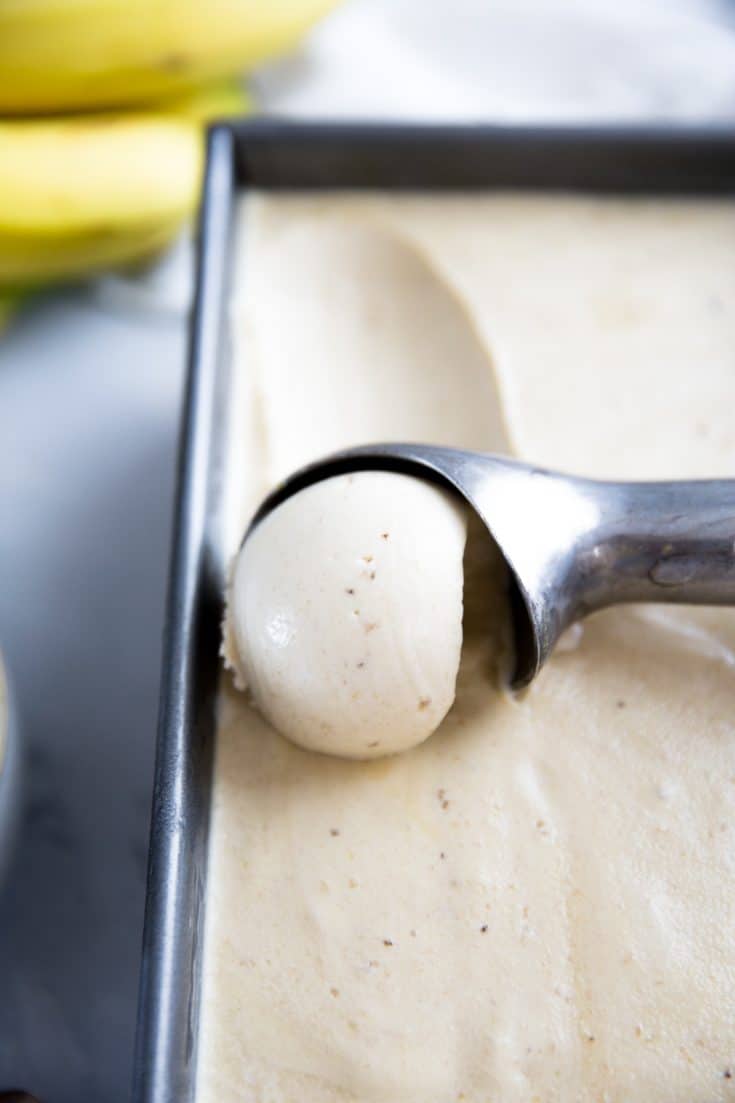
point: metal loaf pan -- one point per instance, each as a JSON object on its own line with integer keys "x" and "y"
{"x": 272, "y": 155}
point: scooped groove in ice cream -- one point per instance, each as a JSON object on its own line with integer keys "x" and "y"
{"x": 346, "y": 613}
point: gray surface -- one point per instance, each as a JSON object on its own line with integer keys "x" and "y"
{"x": 87, "y": 443}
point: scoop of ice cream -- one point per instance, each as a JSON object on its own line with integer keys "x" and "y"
{"x": 345, "y": 611}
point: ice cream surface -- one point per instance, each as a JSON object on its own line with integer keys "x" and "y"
{"x": 346, "y": 609}
{"x": 536, "y": 903}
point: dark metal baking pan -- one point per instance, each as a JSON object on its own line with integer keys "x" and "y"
{"x": 266, "y": 156}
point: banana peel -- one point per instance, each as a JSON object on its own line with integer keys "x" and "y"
{"x": 96, "y": 173}
{"x": 61, "y": 55}
{"x": 83, "y": 193}
{"x": 46, "y": 260}
{"x": 223, "y": 100}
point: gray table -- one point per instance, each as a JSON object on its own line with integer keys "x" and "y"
{"x": 87, "y": 449}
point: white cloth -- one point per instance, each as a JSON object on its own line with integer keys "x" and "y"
{"x": 512, "y": 61}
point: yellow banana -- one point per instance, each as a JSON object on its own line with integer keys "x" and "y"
{"x": 216, "y": 101}
{"x": 72, "y": 54}
{"x": 86, "y": 192}
{"x": 91, "y": 174}
{"x": 28, "y": 261}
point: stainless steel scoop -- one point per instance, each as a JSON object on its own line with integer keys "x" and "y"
{"x": 572, "y": 545}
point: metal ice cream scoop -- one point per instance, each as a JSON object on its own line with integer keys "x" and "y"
{"x": 571, "y": 545}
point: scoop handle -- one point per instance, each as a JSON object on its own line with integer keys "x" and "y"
{"x": 661, "y": 542}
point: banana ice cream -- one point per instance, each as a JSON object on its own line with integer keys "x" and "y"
{"x": 536, "y": 904}
{"x": 346, "y": 613}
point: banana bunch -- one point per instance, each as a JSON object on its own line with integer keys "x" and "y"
{"x": 113, "y": 180}
{"x": 80, "y": 193}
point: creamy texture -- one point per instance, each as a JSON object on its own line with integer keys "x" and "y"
{"x": 537, "y": 903}
{"x": 346, "y": 613}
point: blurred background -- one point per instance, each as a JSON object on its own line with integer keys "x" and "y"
{"x": 102, "y": 110}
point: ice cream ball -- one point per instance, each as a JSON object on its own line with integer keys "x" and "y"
{"x": 345, "y": 613}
